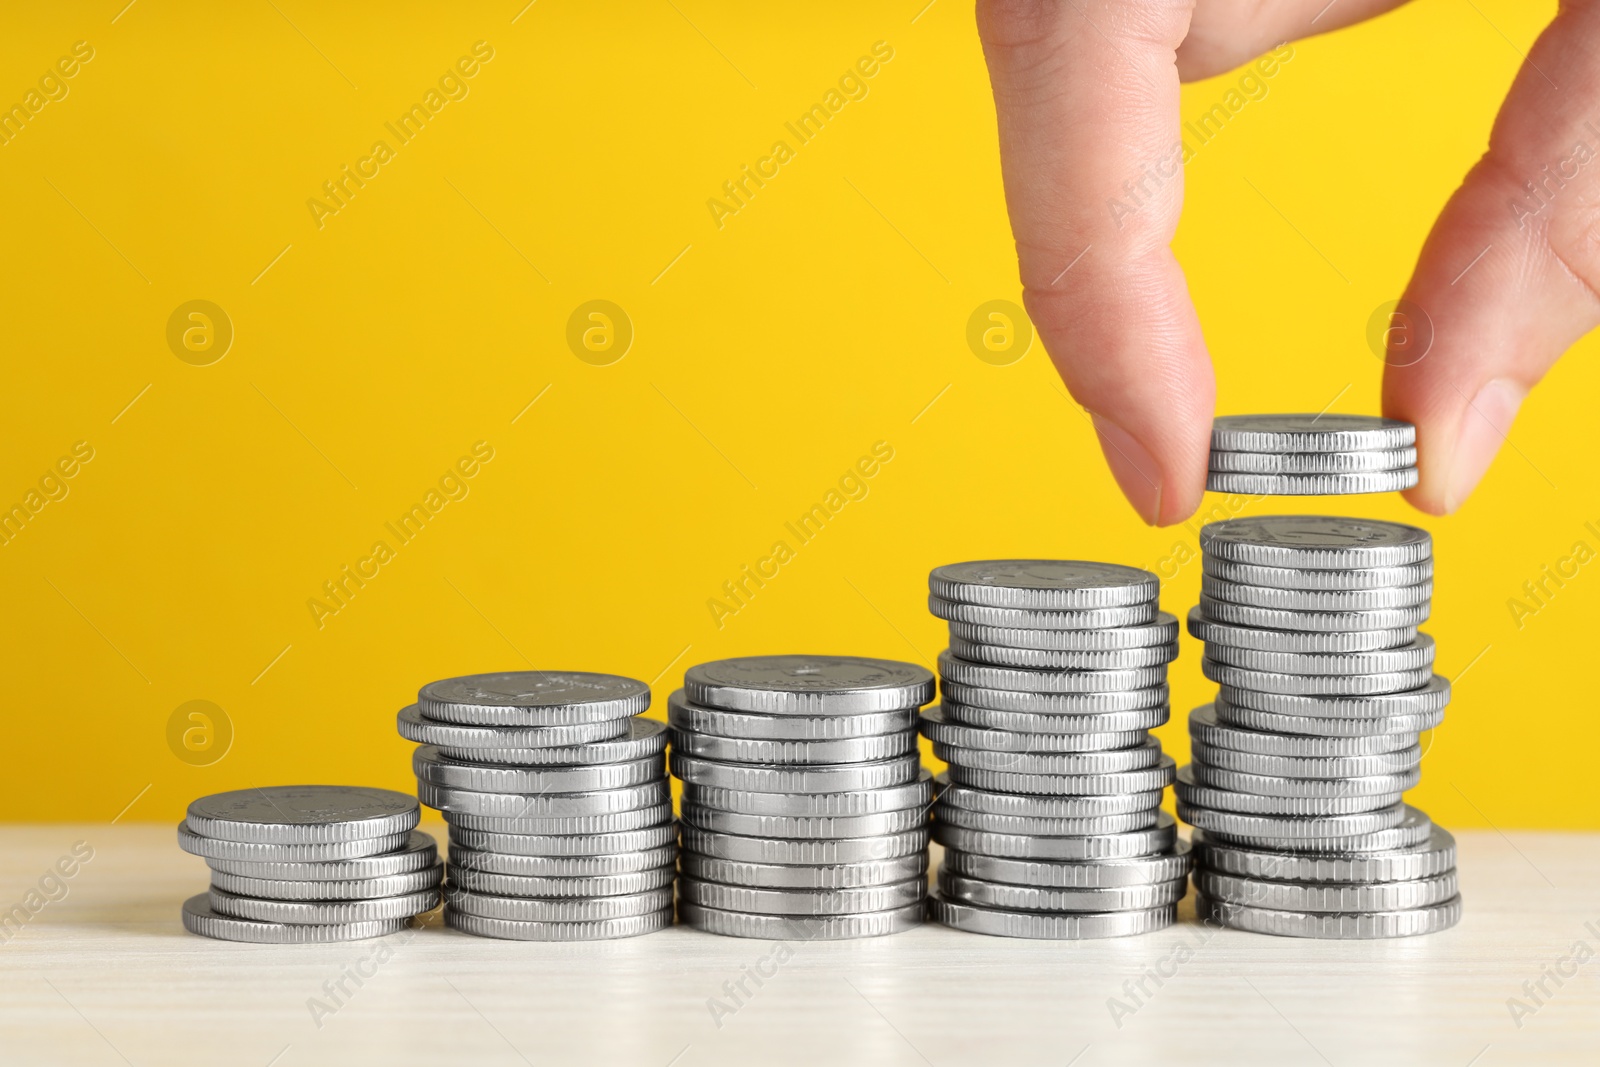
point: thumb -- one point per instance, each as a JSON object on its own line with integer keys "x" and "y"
{"x": 1507, "y": 277}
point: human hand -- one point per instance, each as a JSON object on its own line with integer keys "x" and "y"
{"x": 1086, "y": 93}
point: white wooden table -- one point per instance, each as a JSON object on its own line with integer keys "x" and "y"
{"x": 106, "y": 975}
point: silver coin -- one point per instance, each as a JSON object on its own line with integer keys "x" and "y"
{"x": 533, "y": 698}
{"x": 1433, "y": 696}
{"x": 802, "y": 876}
{"x": 752, "y": 750}
{"x": 1418, "y": 655}
{"x": 255, "y": 851}
{"x": 414, "y": 726}
{"x": 1032, "y": 619}
{"x": 943, "y": 731}
{"x": 1150, "y": 842}
{"x": 430, "y": 765}
{"x": 973, "y": 696}
{"x": 1266, "y": 596}
{"x": 1239, "y": 826}
{"x": 597, "y": 885}
{"x": 1137, "y": 757}
{"x": 607, "y": 822}
{"x": 650, "y": 837}
{"x": 1099, "y": 874}
{"x": 1216, "y": 634}
{"x": 558, "y": 909}
{"x": 646, "y": 737}
{"x": 324, "y": 912}
{"x": 1314, "y": 726}
{"x": 1046, "y": 827}
{"x": 986, "y": 894}
{"x": 1348, "y": 926}
{"x": 1262, "y": 791}
{"x": 1315, "y": 542}
{"x": 1434, "y": 857}
{"x": 1206, "y": 729}
{"x": 915, "y": 794}
{"x": 303, "y": 814}
{"x": 1299, "y": 896}
{"x": 1117, "y": 659}
{"x": 562, "y": 866}
{"x": 1047, "y": 926}
{"x": 1353, "y": 462}
{"x": 817, "y": 851}
{"x": 822, "y": 778}
{"x": 1051, "y": 584}
{"x": 199, "y": 918}
{"x": 544, "y": 805}
{"x": 1312, "y": 621}
{"x": 809, "y": 902}
{"x": 1400, "y": 761}
{"x": 1294, "y": 578}
{"x": 1315, "y": 685}
{"x": 808, "y": 685}
{"x": 596, "y": 930}
{"x": 416, "y": 853}
{"x": 356, "y": 889}
{"x": 1321, "y": 432}
{"x": 1196, "y": 794}
{"x": 1412, "y": 831}
{"x": 953, "y": 671}
{"x": 952, "y": 794}
{"x": 801, "y": 928}
{"x": 807, "y": 827}
{"x": 1312, "y": 484}
{"x": 1140, "y": 781}
{"x": 1162, "y": 631}
{"x": 748, "y": 724}
{"x": 1098, "y": 724}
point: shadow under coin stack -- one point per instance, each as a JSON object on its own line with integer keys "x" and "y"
{"x": 302, "y": 864}
{"x": 805, "y": 805}
{"x": 558, "y": 803}
{"x": 1049, "y": 813}
{"x": 1310, "y": 627}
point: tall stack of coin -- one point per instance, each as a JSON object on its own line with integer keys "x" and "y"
{"x": 1049, "y": 813}
{"x": 805, "y": 805}
{"x": 1300, "y": 764}
{"x": 302, "y": 864}
{"x": 557, "y": 799}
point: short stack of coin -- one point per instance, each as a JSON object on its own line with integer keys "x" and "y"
{"x": 1049, "y": 813}
{"x": 805, "y": 805}
{"x": 557, "y": 799}
{"x": 303, "y": 864}
{"x": 1299, "y": 766}
{"x": 1311, "y": 455}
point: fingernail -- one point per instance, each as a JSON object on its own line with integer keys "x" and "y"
{"x": 1484, "y": 426}
{"x": 1135, "y": 470}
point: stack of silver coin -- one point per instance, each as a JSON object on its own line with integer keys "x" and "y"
{"x": 302, "y": 864}
{"x": 1311, "y": 455}
{"x": 805, "y": 805}
{"x": 1299, "y": 766}
{"x": 1049, "y": 813}
{"x": 557, "y": 799}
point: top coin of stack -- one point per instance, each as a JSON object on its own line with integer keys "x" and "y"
{"x": 1050, "y": 811}
{"x": 308, "y": 863}
{"x": 1311, "y": 455}
{"x": 558, "y": 803}
{"x": 805, "y": 806}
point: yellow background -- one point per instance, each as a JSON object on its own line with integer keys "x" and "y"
{"x": 823, "y": 317}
